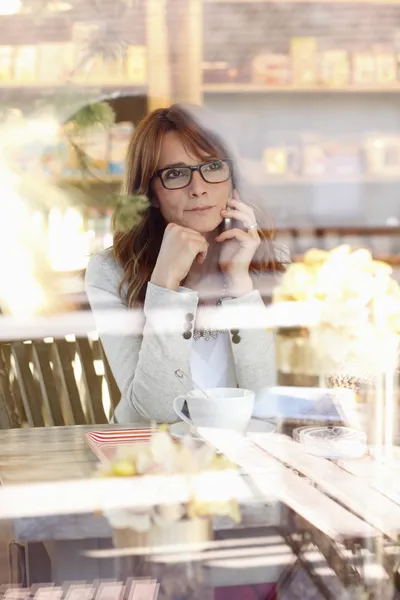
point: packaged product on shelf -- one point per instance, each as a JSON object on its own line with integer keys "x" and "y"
{"x": 275, "y": 161}
{"x": 363, "y": 68}
{"x": 54, "y": 157}
{"x": 335, "y": 68}
{"x": 303, "y": 52}
{"x": 281, "y": 160}
{"x": 136, "y": 64}
{"x": 271, "y": 69}
{"x": 112, "y": 69}
{"x": 382, "y": 153}
{"x": 55, "y": 62}
{"x": 120, "y": 137}
{"x": 96, "y": 146}
{"x": 219, "y": 72}
{"x": 25, "y": 64}
{"x": 386, "y": 67}
{"x": 6, "y": 63}
{"x": 313, "y": 157}
{"x": 343, "y": 158}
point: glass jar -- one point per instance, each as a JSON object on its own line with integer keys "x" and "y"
{"x": 296, "y": 360}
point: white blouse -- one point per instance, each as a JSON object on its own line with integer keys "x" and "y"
{"x": 209, "y": 361}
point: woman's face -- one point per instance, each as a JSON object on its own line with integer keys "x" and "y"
{"x": 198, "y": 205}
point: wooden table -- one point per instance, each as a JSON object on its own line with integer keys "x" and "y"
{"x": 345, "y": 507}
{"x": 58, "y": 454}
{"x": 47, "y": 454}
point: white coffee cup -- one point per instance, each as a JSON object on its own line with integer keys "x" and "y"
{"x": 226, "y": 408}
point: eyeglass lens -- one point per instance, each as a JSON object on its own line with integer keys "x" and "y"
{"x": 212, "y": 172}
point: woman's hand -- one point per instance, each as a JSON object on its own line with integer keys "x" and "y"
{"x": 238, "y": 247}
{"x": 180, "y": 247}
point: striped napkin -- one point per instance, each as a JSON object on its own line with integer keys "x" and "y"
{"x": 105, "y": 443}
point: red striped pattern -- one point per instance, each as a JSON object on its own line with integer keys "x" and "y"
{"x": 116, "y": 436}
{"x": 104, "y": 443}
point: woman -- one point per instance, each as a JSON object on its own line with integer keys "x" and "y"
{"x": 181, "y": 254}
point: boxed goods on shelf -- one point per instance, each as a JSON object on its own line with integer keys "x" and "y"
{"x": 219, "y": 72}
{"x": 6, "y": 63}
{"x": 281, "y": 160}
{"x": 385, "y": 66}
{"x": 54, "y": 62}
{"x": 382, "y": 154}
{"x": 334, "y": 68}
{"x": 363, "y": 68}
{"x": 271, "y": 69}
{"x": 303, "y": 52}
{"x": 314, "y": 160}
{"x": 25, "y": 64}
{"x": 136, "y": 64}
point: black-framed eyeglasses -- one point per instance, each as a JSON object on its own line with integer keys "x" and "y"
{"x": 213, "y": 171}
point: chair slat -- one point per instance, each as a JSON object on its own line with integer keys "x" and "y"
{"x": 29, "y": 392}
{"x": 17, "y": 407}
{"x": 50, "y": 393}
{"x": 113, "y": 389}
{"x": 92, "y": 381}
{"x": 8, "y": 411}
{"x": 64, "y": 358}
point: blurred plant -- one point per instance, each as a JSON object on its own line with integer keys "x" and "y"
{"x": 128, "y": 211}
{"x": 84, "y": 119}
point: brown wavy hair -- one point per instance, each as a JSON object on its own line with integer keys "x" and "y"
{"x": 137, "y": 249}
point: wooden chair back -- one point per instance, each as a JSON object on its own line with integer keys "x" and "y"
{"x": 65, "y": 381}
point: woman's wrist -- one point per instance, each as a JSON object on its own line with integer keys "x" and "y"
{"x": 239, "y": 286}
{"x": 165, "y": 282}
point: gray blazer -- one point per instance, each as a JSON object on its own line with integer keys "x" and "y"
{"x": 143, "y": 353}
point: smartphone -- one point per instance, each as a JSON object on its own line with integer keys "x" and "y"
{"x": 228, "y": 221}
{"x": 227, "y": 224}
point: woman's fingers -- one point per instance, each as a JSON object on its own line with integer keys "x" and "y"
{"x": 240, "y": 215}
{"x": 238, "y": 234}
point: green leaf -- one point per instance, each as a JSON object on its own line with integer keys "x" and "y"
{"x": 129, "y": 211}
{"x": 93, "y": 114}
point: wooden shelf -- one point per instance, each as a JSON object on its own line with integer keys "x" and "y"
{"x": 338, "y": 180}
{"x": 267, "y": 181}
{"x": 82, "y": 181}
{"x": 320, "y": 231}
{"x": 392, "y": 260}
{"x": 254, "y": 88}
{"x": 82, "y": 85}
{"x": 303, "y": 1}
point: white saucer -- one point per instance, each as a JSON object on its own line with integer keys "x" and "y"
{"x": 179, "y": 430}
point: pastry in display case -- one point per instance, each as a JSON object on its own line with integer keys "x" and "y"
{"x": 353, "y": 340}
